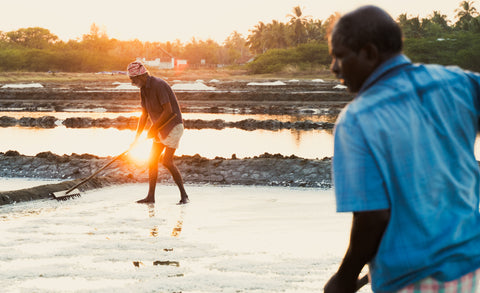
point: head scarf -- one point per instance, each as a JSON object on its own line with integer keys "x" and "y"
{"x": 136, "y": 68}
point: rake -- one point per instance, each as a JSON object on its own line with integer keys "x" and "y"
{"x": 73, "y": 191}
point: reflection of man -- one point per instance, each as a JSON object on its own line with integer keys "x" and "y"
{"x": 404, "y": 163}
{"x": 160, "y": 104}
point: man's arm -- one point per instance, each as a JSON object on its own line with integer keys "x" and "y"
{"x": 166, "y": 114}
{"x": 142, "y": 121}
{"x": 366, "y": 234}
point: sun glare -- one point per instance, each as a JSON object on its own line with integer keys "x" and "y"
{"x": 140, "y": 153}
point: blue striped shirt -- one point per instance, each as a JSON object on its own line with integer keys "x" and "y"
{"x": 406, "y": 143}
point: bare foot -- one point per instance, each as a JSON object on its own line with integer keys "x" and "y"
{"x": 184, "y": 201}
{"x": 146, "y": 200}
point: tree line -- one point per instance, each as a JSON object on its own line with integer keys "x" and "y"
{"x": 301, "y": 42}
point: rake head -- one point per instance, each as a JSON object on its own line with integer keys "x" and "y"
{"x": 65, "y": 194}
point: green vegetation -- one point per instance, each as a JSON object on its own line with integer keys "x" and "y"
{"x": 305, "y": 57}
{"x": 427, "y": 40}
{"x": 300, "y": 43}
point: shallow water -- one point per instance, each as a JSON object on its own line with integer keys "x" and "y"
{"x": 228, "y": 239}
{"x": 8, "y": 184}
{"x": 208, "y": 143}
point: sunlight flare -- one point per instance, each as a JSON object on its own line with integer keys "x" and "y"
{"x": 140, "y": 153}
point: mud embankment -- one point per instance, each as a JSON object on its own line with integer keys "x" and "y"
{"x": 267, "y": 170}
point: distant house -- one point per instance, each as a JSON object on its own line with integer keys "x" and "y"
{"x": 165, "y": 61}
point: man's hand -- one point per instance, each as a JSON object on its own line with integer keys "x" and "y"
{"x": 133, "y": 144}
{"x": 152, "y": 132}
{"x": 337, "y": 284}
{"x": 367, "y": 231}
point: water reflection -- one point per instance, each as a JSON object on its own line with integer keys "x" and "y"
{"x": 208, "y": 143}
{"x": 166, "y": 263}
{"x": 179, "y": 225}
{"x": 154, "y": 231}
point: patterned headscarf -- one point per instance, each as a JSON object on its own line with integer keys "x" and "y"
{"x": 136, "y": 68}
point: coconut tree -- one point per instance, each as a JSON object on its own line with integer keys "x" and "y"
{"x": 256, "y": 38}
{"x": 465, "y": 13}
{"x": 298, "y": 23}
{"x": 411, "y": 27}
{"x": 276, "y": 35}
{"x": 440, "y": 19}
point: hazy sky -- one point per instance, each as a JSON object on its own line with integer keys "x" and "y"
{"x": 160, "y": 20}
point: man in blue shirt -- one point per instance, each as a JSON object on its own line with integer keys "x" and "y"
{"x": 160, "y": 106}
{"x": 404, "y": 163}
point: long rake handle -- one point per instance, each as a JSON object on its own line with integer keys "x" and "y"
{"x": 98, "y": 171}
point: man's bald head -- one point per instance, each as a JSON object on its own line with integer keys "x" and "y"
{"x": 368, "y": 24}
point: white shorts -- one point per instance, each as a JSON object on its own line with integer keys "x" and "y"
{"x": 173, "y": 138}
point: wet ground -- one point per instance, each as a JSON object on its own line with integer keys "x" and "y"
{"x": 228, "y": 239}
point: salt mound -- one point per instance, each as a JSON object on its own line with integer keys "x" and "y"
{"x": 271, "y": 83}
{"x": 22, "y": 86}
{"x": 339, "y": 86}
{"x": 318, "y": 80}
{"x": 125, "y": 86}
{"x": 197, "y": 86}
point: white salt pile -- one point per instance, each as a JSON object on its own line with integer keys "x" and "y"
{"x": 268, "y": 83}
{"x": 318, "y": 80}
{"x": 196, "y": 86}
{"x": 339, "y": 86}
{"x": 125, "y": 86}
{"x": 22, "y": 85}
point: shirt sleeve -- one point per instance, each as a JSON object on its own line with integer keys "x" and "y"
{"x": 358, "y": 181}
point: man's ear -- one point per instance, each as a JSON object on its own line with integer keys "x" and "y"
{"x": 371, "y": 52}
{"x": 372, "y": 55}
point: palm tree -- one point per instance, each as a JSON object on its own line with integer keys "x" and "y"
{"x": 276, "y": 35}
{"x": 466, "y": 10}
{"x": 298, "y": 22}
{"x": 411, "y": 27}
{"x": 465, "y": 13}
{"x": 440, "y": 19}
{"x": 255, "y": 40}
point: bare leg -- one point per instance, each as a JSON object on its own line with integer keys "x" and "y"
{"x": 177, "y": 177}
{"x": 157, "y": 149}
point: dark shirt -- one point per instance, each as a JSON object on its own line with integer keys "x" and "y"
{"x": 154, "y": 95}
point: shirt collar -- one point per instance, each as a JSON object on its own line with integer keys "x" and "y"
{"x": 391, "y": 64}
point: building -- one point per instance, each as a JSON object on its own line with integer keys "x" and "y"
{"x": 164, "y": 61}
